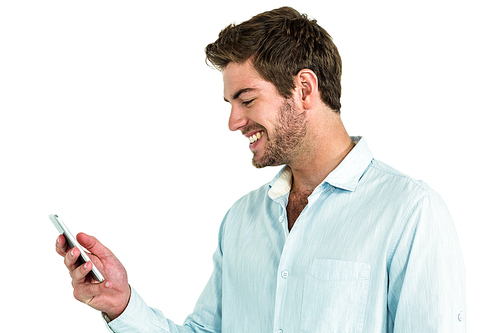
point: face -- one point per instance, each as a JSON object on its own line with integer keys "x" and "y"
{"x": 275, "y": 128}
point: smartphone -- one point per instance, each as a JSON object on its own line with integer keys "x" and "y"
{"x": 72, "y": 242}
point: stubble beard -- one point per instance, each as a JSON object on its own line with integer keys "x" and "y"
{"x": 288, "y": 140}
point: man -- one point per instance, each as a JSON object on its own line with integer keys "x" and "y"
{"x": 337, "y": 242}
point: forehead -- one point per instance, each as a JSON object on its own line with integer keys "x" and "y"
{"x": 237, "y": 77}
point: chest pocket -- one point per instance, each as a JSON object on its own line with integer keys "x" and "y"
{"x": 335, "y": 296}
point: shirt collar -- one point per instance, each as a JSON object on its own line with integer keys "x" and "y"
{"x": 281, "y": 184}
{"x": 346, "y": 175}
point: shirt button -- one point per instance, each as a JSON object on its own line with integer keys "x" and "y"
{"x": 281, "y": 219}
{"x": 284, "y": 274}
{"x": 280, "y": 331}
{"x": 460, "y": 316}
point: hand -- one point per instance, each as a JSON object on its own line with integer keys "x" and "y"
{"x": 110, "y": 296}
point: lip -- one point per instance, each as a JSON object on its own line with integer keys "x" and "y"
{"x": 249, "y": 134}
{"x": 253, "y": 146}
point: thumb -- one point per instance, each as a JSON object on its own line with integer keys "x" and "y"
{"x": 92, "y": 244}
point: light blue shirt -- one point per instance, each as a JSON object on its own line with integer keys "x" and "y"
{"x": 373, "y": 251}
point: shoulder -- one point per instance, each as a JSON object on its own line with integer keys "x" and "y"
{"x": 389, "y": 173}
{"x": 391, "y": 189}
{"x": 251, "y": 209}
{"x": 387, "y": 179}
{"x": 249, "y": 200}
{"x": 419, "y": 205}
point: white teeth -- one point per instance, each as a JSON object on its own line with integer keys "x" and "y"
{"x": 255, "y": 137}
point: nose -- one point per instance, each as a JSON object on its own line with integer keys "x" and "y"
{"x": 237, "y": 119}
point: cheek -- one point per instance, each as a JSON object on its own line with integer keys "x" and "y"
{"x": 266, "y": 116}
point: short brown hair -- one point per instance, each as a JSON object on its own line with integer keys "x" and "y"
{"x": 281, "y": 43}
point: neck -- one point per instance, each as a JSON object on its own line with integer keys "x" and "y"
{"x": 327, "y": 147}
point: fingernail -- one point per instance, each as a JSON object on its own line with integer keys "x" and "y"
{"x": 108, "y": 284}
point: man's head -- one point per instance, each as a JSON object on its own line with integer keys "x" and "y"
{"x": 280, "y": 43}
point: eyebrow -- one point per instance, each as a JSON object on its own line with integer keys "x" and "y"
{"x": 239, "y": 92}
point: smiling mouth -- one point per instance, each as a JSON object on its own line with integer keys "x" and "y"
{"x": 255, "y": 137}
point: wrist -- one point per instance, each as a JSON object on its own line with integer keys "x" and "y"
{"x": 115, "y": 313}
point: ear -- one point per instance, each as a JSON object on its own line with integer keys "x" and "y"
{"x": 307, "y": 88}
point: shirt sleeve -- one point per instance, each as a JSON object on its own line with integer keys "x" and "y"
{"x": 206, "y": 317}
{"x": 426, "y": 272}
{"x": 207, "y": 314}
{"x": 138, "y": 317}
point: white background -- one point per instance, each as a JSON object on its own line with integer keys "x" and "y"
{"x": 110, "y": 118}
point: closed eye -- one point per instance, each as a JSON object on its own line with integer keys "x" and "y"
{"x": 247, "y": 103}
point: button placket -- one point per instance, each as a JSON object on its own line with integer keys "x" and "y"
{"x": 282, "y": 277}
{"x": 282, "y": 220}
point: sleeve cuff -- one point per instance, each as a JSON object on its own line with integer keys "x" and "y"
{"x": 137, "y": 317}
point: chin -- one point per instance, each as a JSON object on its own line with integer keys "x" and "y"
{"x": 265, "y": 161}
{"x": 258, "y": 164}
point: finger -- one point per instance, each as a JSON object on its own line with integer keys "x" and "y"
{"x": 70, "y": 259}
{"x": 93, "y": 245}
{"x": 80, "y": 274}
{"x": 86, "y": 292}
{"x": 61, "y": 245}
